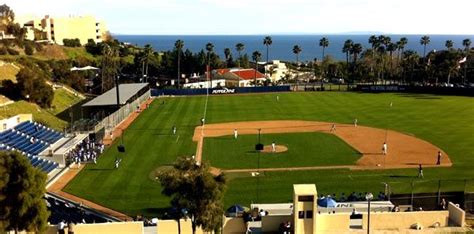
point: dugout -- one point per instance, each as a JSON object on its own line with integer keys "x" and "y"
{"x": 106, "y": 104}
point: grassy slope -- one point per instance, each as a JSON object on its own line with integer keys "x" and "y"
{"x": 304, "y": 149}
{"x": 445, "y": 121}
{"x": 40, "y": 115}
{"x": 63, "y": 100}
{"x": 8, "y": 72}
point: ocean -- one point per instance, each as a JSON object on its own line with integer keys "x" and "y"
{"x": 282, "y": 46}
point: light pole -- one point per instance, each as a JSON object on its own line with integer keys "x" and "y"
{"x": 369, "y": 197}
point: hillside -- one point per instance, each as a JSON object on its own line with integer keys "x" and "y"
{"x": 39, "y": 115}
{"x": 63, "y": 100}
{"x": 8, "y": 71}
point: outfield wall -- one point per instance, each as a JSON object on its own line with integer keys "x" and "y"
{"x": 416, "y": 89}
{"x": 406, "y": 220}
{"x": 219, "y": 91}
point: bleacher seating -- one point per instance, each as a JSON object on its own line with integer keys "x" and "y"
{"x": 31, "y": 139}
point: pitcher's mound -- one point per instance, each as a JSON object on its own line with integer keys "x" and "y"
{"x": 278, "y": 149}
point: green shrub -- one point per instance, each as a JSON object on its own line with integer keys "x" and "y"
{"x": 29, "y": 49}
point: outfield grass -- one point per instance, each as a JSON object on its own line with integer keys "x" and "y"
{"x": 304, "y": 150}
{"x": 445, "y": 121}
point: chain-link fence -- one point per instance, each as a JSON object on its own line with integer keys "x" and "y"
{"x": 429, "y": 193}
{"x": 114, "y": 119}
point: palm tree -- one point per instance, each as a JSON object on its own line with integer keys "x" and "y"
{"x": 179, "y": 44}
{"x": 355, "y": 51}
{"x": 297, "y": 50}
{"x": 374, "y": 42}
{"x": 324, "y": 42}
{"x": 466, "y": 43}
{"x": 239, "y": 47}
{"x": 210, "y": 49}
{"x": 425, "y": 40}
{"x": 391, "y": 47}
{"x": 256, "y": 57}
{"x": 267, "y": 41}
{"x": 401, "y": 45}
{"x": 449, "y": 44}
{"x": 347, "y": 49}
{"x": 227, "y": 53}
{"x": 147, "y": 51}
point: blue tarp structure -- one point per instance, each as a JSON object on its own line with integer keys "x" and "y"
{"x": 327, "y": 202}
{"x": 234, "y": 210}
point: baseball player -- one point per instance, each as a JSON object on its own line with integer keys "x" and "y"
{"x": 273, "y": 147}
{"x": 333, "y": 128}
{"x": 384, "y": 148}
{"x": 355, "y": 122}
{"x": 439, "y": 158}
{"x": 236, "y": 134}
{"x": 420, "y": 171}
{"x": 202, "y": 121}
{"x": 174, "y": 130}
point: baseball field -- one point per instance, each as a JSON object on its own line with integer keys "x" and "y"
{"x": 346, "y": 160}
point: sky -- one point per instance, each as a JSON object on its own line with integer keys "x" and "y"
{"x": 261, "y": 17}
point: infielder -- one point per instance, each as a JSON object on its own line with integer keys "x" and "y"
{"x": 384, "y": 148}
{"x": 333, "y": 128}
{"x": 355, "y": 122}
{"x": 236, "y": 134}
{"x": 273, "y": 147}
{"x": 439, "y": 158}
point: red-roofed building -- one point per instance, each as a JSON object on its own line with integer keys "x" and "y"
{"x": 240, "y": 76}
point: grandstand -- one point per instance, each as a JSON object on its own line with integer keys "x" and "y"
{"x": 31, "y": 139}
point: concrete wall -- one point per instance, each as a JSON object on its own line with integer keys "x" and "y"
{"x": 404, "y": 220}
{"x": 83, "y": 28}
{"x": 456, "y": 215}
{"x": 332, "y": 222}
{"x": 104, "y": 228}
{"x": 14, "y": 120}
{"x": 272, "y": 223}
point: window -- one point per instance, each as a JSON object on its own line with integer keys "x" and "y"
{"x": 306, "y": 198}
{"x": 301, "y": 214}
{"x": 309, "y": 214}
{"x": 4, "y": 126}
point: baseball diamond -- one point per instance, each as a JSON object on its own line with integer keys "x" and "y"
{"x": 415, "y": 127}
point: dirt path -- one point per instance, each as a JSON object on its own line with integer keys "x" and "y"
{"x": 124, "y": 124}
{"x": 404, "y": 151}
{"x": 59, "y": 185}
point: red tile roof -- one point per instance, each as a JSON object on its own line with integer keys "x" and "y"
{"x": 248, "y": 74}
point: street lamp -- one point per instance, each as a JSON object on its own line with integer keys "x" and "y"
{"x": 368, "y": 197}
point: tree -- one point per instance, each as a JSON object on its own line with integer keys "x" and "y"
{"x": 401, "y": 44}
{"x": 179, "y": 44}
{"x": 146, "y": 55}
{"x": 22, "y": 189}
{"x": 297, "y": 50}
{"x": 324, "y": 42}
{"x": 424, "y": 41}
{"x": 239, "y": 47}
{"x": 467, "y": 44}
{"x": 256, "y": 57}
{"x": 29, "y": 50}
{"x": 32, "y": 87}
{"x": 267, "y": 41}
{"x": 7, "y": 15}
{"x": 449, "y": 44}
{"x": 391, "y": 47}
{"x": 110, "y": 66}
{"x": 194, "y": 189}
{"x": 347, "y": 49}
{"x": 228, "y": 56}
{"x": 210, "y": 50}
{"x": 355, "y": 51}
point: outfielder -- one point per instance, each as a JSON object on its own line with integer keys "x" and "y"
{"x": 236, "y": 134}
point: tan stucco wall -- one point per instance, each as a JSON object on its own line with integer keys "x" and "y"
{"x": 171, "y": 227}
{"x": 332, "y": 222}
{"x": 404, "y": 220}
{"x": 83, "y": 28}
{"x": 272, "y": 223}
{"x": 14, "y": 120}
{"x": 456, "y": 215}
{"x": 104, "y": 228}
{"x": 234, "y": 225}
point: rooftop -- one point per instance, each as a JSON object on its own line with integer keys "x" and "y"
{"x": 109, "y": 98}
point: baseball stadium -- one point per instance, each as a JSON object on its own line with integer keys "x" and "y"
{"x": 348, "y": 158}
